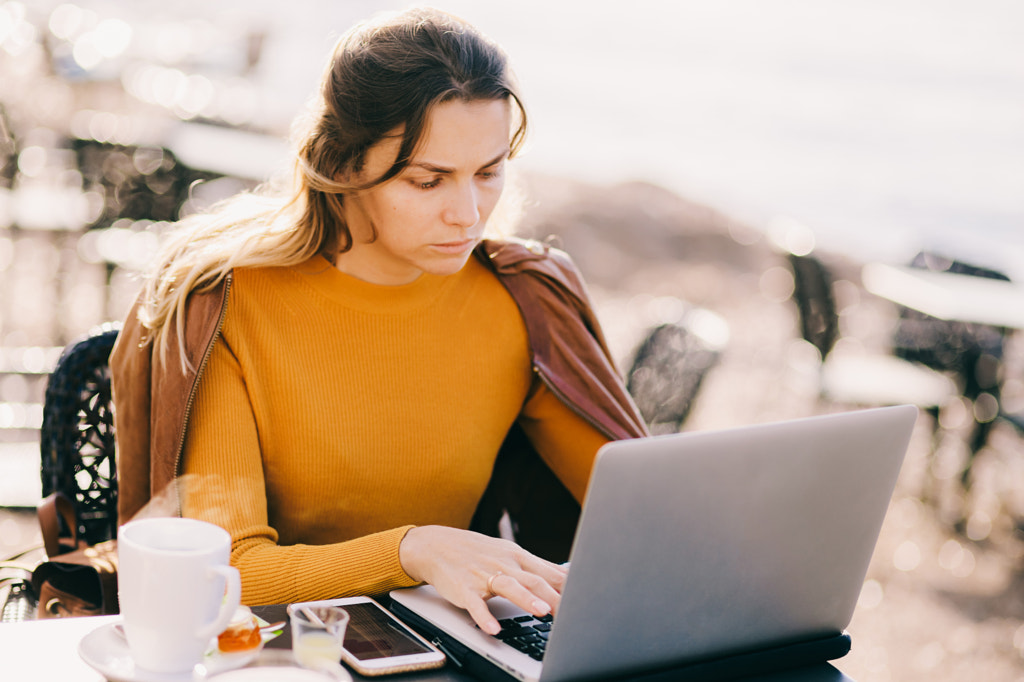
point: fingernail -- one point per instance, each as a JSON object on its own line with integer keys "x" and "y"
{"x": 541, "y": 607}
{"x": 493, "y": 628}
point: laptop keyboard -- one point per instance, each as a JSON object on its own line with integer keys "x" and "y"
{"x": 528, "y": 634}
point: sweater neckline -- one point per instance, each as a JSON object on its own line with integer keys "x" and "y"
{"x": 358, "y": 294}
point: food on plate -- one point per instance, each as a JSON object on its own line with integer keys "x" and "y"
{"x": 242, "y": 633}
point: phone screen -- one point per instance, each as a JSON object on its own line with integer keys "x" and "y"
{"x": 372, "y": 633}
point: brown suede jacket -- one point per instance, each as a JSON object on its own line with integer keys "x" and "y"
{"x": 153, "y": 401}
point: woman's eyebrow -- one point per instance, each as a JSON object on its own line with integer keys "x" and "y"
{"x": 434, "y": 168}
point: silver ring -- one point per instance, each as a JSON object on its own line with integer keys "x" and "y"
{"x": 490, "y": 583}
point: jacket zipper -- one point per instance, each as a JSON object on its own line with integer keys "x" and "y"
{"x": 195, "y": 387}
{"x": 572, "y": 406}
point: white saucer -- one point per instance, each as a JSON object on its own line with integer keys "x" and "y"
{"x": 279, "y": 665}
{"x": 282, "y": 674}
{"x": 106, "y": 650}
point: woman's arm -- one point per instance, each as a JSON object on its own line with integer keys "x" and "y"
{"x": 224, "y": 483}
{"x": 563, "y": 439}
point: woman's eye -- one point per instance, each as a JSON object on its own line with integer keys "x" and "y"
{"x": 489, "y": 174}
{"x": 429, "y": 184}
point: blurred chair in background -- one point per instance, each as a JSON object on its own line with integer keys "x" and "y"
{"x": 812, "y": 293}
{"x": 858, "y": 378}
{"x": 8, "y": 150}
{"x": 972, "y": 352}
{"x": 77, "y": 436}
{"x": 669, "y": 367}
{"x": 77, "y": 456}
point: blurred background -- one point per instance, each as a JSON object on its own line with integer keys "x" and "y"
{"x": 775, "y": 179}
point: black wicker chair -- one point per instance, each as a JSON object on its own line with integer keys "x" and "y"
{"x": 77, "y": 454}
{"x": 77, "y": 436}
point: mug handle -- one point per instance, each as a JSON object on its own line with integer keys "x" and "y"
{"x": 231, "y": 601}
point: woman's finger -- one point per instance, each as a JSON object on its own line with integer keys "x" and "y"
{"x": 478, "y": 610}
{"x": 552, "y": 574}
{"x": 511, "y": 588}
{"x": 543, "y": 590}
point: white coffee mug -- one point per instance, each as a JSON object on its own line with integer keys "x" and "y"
{"x": 172, "y": 574}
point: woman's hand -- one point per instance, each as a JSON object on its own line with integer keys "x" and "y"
{"x": 467, "y": 568}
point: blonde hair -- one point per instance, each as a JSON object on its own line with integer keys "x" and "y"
{"x": 383, "y": 76}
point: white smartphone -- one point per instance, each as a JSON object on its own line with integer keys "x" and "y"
{"x": 377, "y": 643}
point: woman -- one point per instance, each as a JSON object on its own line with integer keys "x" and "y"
{"x": 350, "y": 378}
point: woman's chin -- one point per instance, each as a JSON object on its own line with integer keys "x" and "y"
{"x": 447, "y": 265}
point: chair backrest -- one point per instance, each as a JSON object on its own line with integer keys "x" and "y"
{"x": 668, "y": 369}
{"x": 973, "y": 352}
{"x": 77, "y": 435}
{"x": 812, "y": 293}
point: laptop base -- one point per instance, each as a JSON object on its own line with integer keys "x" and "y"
{"x": 734, "y": 667}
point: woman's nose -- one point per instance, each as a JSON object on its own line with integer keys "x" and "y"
{"x": 463, "y": 209}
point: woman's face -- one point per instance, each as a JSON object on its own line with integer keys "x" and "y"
{"x": 431, "y": 215}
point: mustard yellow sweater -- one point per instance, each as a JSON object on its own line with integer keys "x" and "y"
{"x": 334, "y": 415}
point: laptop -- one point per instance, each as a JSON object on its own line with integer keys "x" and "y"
{"x": 717, "y": 553}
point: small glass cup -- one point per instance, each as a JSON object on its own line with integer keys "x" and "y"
{"x": 318, "y": 633}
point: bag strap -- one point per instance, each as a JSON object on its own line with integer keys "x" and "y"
{"x": 53, "y": 507}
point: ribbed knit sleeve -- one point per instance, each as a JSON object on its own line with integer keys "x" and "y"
{"x": 563, "y": 439}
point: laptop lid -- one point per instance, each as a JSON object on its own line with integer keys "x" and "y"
{"x": 707, "y": 543}
{"x": 699, "y": 545}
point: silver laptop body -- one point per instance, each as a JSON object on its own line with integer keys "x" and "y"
{"x": 704, "y": 544}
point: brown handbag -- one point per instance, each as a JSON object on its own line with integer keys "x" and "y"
{"x": 77, "y": 579}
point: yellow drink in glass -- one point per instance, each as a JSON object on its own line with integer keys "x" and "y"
{"x": 312, "y": 649}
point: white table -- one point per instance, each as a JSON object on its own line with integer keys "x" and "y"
{"x": 48, "y": 649}
{"x": 948, "y": 296}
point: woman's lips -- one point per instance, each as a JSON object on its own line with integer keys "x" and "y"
{"x": 455, "y": 247}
